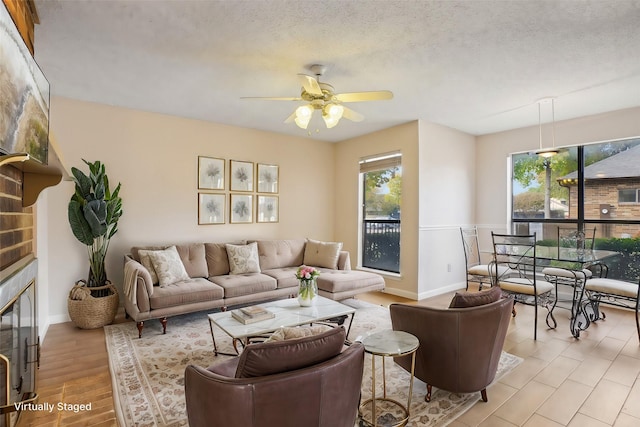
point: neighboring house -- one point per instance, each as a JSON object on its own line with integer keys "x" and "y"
{"x": 612, "y": 191}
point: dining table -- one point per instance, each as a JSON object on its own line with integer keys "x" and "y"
{"x": 573, "y": 259}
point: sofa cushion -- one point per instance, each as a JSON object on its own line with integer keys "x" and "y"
{"x": 193, "y": 259}
{"x": 243, "y": 259}
{"x": 280, "y": 253}
{"x": 168, "y": 266}
{"x": 244, "y": 284}
{"x": 286, "y": 276}
{"x": 217, "y": 259}
{"x": 322, "y": 254}
{"x": 336, "y": 281}
{"x": 473, "y": 299}
{"x": 187, "y": 292}
{"x": 270, "y": 358}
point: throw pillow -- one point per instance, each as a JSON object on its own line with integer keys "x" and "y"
{"x": 284, "y": 334}
{"x": 269, "y": 358}
{"x": 473, "y": 299}
{"x": 168, "y": 266}
{"x": 145, "y": 260}
{"x": 322, "y": 254}
{"x": 243, "y": 259}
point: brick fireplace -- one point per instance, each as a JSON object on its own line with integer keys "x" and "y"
{"x": 19, "y": 341}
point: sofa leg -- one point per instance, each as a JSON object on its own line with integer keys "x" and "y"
{"x": 427, "y": 398}
{"x": 164, "y": 325}
{"x": 140, "y": 325}
{"x": 483, "y": 392}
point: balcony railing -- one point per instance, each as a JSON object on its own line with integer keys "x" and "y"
{"x": 381, "y": 244}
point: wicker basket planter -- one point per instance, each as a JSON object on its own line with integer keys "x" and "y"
{"x": 89, "y": 312}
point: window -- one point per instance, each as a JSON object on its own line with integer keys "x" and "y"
{"x": 381, "y": 178}
{"x": 584, "y": 187}
{"x": 628, "y": 196}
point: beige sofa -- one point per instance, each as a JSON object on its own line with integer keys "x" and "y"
{"x": 213, "y": 281}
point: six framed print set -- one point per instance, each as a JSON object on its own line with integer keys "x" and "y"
{"x": 250, "y": 189}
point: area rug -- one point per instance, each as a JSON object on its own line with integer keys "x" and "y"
{"x": 148, "y": 373}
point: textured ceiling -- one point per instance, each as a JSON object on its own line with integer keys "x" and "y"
{"x": 476, "y": 66}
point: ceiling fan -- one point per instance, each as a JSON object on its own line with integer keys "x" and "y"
{"x": 321, "y": 96}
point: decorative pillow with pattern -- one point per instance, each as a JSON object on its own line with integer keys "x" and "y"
{"x": 168, "y": 266}
{"x": 243, "y": 259}
{"x": 287, "y": 333}
{"x": 145, "y": 260}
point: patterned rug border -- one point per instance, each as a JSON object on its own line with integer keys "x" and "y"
{"x": 147, "y": 373}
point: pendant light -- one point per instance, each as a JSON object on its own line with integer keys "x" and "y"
{"x": 547, "y": 152}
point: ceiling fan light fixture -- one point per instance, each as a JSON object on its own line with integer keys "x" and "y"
{"x": 303, "y": 116}
{"x": 332, "y": 113}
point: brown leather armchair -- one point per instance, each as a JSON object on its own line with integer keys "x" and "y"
{"x": 325, "y": 394}
{"x": 459, "y": 347}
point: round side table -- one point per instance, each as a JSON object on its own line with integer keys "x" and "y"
{"x": 387, "y": 343}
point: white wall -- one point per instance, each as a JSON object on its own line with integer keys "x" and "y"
{"x": 493, "y": 150}
{"x": 155, "y": 156}
{"x": 447, "y": 200}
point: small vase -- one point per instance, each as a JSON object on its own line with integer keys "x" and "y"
{"x": 307, "y": 292}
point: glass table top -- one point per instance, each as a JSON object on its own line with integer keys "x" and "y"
{"x": 288, "y": 312}
{"x": 390, "y": 343}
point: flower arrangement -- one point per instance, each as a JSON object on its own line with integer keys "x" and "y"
{"x": 307, "y": 273}
{"x": 308, "y": 289}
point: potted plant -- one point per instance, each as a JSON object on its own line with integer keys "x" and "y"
{"x": 94, "y": 211}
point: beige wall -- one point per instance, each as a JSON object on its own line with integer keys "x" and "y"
{"x": 155, "y": 156}
{"x": 493, "y": 151}
{"x": 403, "y": 138}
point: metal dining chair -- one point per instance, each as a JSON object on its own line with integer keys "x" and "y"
{"x": 613, "y": 292}
{"x": 523, "y": 283}
{"x": 476, "y": 271}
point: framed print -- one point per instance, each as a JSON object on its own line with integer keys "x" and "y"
{"x": 210, "y": 173}
{"x": 241, "y": 209}
{"x": 211, "y": 208}
{"x": 267, "y": 209}
{"x": 241, "y": 175}
{"x": 268, "y": 177}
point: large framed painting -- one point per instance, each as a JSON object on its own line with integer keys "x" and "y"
{"x": 24, "y": 96}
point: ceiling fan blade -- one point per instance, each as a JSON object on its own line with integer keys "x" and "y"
{"x": 378, "y": 95}
{"x": 310, "y": 84}
{"x": 349, "y": 114}
{"x": 291, "y": 118}
{"x": 271, "y": 98}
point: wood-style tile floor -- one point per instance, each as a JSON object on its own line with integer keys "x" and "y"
{"x": 593, "y": 381}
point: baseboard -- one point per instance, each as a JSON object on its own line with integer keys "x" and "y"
{"x": 59, "y": 318}
{"x": 422, "y": 295}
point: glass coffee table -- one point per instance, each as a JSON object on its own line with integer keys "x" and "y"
{"x": 287, "y": 313}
